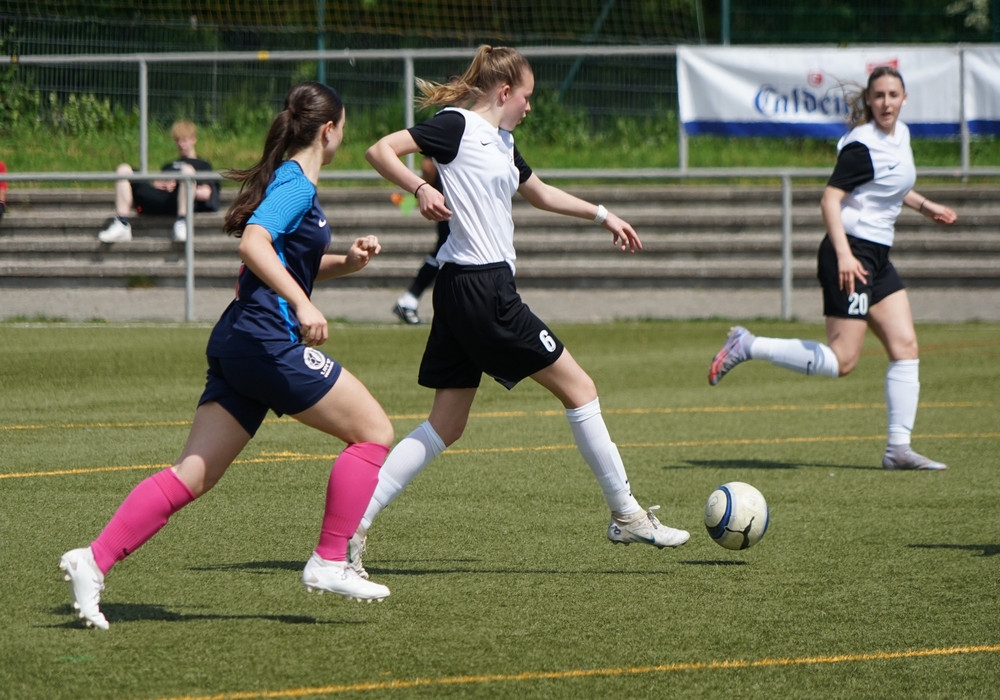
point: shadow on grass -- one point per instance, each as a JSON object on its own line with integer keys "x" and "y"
{"x": 985, "y": 550}
{"x": 143, "y": 612}
{"x": 713, "y": 562}
{"x": 449, "y": 566}
{"x": 763, "y": 464}
{"x": 257, "y": 567}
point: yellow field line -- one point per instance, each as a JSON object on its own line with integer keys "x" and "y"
{"x": 597, "y": 672}
{"x": 272, "y": 457}
{"x": 521, "y": 414}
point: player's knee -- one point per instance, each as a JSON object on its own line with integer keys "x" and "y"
{"x": 906, "y": 350}
{"x": 451, "y": 432}
{"x": 124, "y": 169}
{"x": 382, "y": 433}
{"x": 376, "y": 429}
{"x": 582, "y": 392}
{"x": 846, "y": 365}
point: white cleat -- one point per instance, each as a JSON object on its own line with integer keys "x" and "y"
{"x": 735, "y": 351}
{"x": 356, "y": 547}
{"x": 902, "y": 457}
{"x": 324, "y": 576}
{"x": 643, "y": 527}
{"x": 86, "y": 583}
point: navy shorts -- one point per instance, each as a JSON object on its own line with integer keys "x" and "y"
{"x": 481, "y": 325}
{"x": 882, "y": 279}
{"x": 288, "y": 382}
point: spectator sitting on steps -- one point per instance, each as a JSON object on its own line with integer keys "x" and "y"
{"x": 163, "y": 197}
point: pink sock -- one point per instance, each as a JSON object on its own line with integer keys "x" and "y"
{"x": 140, "y": 516}
{"x": 352, "y": 482}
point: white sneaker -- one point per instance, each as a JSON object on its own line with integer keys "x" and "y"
{"x": 355, "y": 550}
{"x": 643, "y": 527}
{"x": 86, "y": 583}
{"x": 902, "y": 457}
{"x": 322, "y": 575}
{"x": 116, "y": 232}
{"x": 180, "y": 231}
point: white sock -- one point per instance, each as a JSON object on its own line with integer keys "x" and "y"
{"x": 804, "y": 356}
{"x": 408, "y": 301}
{"x": 405, "y": 461}
{"x": 902, "y": 393}
{"x": 594, "y": 441}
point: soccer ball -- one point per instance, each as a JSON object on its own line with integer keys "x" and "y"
{"x": 736, "y": 515}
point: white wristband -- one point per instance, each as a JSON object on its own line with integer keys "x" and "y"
{"x": 602, "y": 214}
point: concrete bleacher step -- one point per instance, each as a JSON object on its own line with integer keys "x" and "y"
{"x": 692, "y": 234}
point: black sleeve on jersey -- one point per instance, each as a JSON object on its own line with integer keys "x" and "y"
{"x": 440, "y": 136}
{"x": 853, "y": 169}
{"x": 522, "y": 167}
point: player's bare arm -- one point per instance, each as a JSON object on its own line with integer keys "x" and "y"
{"x": 850, "y": 268}
{"x": 929, "y": 208}
{"x": 361, "y": 252}
{"x": 548, "y": 198}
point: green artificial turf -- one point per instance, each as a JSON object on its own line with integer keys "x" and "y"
{"x": 868, "y": 584}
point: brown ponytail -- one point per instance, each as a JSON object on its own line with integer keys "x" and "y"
{"x": 308, "y": 106}
{"x": 490, "y": 67}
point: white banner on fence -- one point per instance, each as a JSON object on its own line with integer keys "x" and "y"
{"x": 757, "y": 91}
{"x": 982, "y": 89}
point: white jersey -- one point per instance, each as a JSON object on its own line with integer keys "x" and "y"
{"x": 480, "y": 171}
{"x": 877, "y": 171}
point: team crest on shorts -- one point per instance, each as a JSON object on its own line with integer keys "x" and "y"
{"x": 316, "y": 360}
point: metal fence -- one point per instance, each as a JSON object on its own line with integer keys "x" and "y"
{"x": 608, "y": 82}
{"x": 647, "y": 74}
{"x": 785, "y": 175}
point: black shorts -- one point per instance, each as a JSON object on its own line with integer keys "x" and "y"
{"x": 882, "y": 279}
{"x": 481, "y": 325}
{"x": 152, "y": 200}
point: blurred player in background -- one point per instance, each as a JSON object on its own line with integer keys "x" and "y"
{"x": 871, "y": 182}
{"x": 407, "y": 305}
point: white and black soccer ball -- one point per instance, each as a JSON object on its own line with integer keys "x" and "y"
{"x": 736, "y": 515}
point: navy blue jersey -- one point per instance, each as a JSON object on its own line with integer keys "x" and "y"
{"x": 259, "y": 321}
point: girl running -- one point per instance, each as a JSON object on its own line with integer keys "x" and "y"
{"x": 872, "y": 180}
{"x": 480, "y": 323}
{"x": 262, "y": 354}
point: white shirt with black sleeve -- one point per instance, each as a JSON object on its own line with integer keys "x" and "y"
{"x": 480, "y": 171}
{"x": 877, "y": 171}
